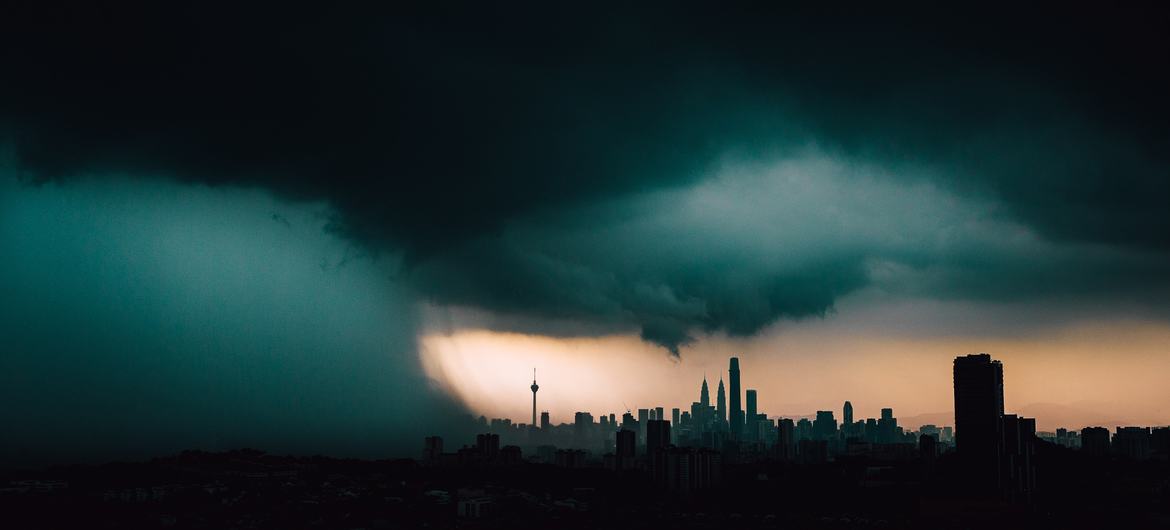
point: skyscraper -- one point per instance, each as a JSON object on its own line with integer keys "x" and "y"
{"x": 750, "y": 430}
{"x": 736, "y": 419}
{"x": 582, "y": 428}
{"x": 825, "y": 426}
{"x": 978, "y": 415}
{"x": 721, "y": 405}
{"x": 704, "y": 394}
{"x": 657, "y": 435}
{"x": 785, "y": 439}
{"x": 887, "y": 427}
{"x": 544, "y": 420}
{"x": 487, "y": 445}
{"x": 534, "y": 388}
{"x": 847, "y": 417}
{"x": 629, "y": 423}
{"x": 1095, "y": 441}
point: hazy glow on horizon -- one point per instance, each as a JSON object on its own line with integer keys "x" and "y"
{"x": 1059, "y": 376}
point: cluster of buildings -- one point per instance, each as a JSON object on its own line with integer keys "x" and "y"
{"x": 731, "y": 421}
{"x": 1135, "y": 443}
{"x": 684, "y": 448}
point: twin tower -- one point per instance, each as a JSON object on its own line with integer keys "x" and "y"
{"x": 737, "y": 420}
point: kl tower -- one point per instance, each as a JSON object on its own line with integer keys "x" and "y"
{"x": 534, "y": 388}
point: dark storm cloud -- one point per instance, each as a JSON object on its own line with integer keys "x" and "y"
{"x": 143, "y": 318}
{"x": 439, "y": 131}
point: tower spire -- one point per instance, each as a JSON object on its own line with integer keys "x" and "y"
{"x": 534, "y": 388}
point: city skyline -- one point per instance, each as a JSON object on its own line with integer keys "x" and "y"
{"x": 846, "y": 413}
{"x": 568, "y": 388}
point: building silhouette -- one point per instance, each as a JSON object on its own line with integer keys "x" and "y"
{"x": 643, "y": 419}
{"x": 1095, "y": 441}
{"x": 1017, "y": 478}
{"x": 487, "y": 445}
{"x": 785, "y": 439}
{"x": 978, "y": 411}
{"x": 625, "y": 452}
{"x": 824, "y": 426}
{"x": 847, "y": 414}
{"x": 750, "y": 430}
{"x": 582, "y": 428}
{"x": 1132, "y": 442}
{"x": 657, "y": 435}
{"x": 735, "y": 423}
{"x": 1160, "y": 442}
{"x": 887, "y": 428}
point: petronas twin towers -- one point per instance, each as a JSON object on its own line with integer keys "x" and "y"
{"x": 736, "y": 423}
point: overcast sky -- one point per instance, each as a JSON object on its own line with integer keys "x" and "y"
{"x": 227, "y": 226}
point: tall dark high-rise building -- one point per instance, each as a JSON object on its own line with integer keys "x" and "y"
{"x": 1132, "y": 442}
{"x": 785, "y": 439}
{"x": 582, "y": 428}
{"x": 721, "y": 404}
{"x": 699, "y": 416}
{"x": 488, "y": 445}
{"x": 704, "y": 394}
{"x": 534, "y": 388}
{"x": 544, "y": 420}
{"x": 887, "y": 427}
{"x": 736, "y": 420}
{"x": 825, "y": 426}
{"x": 750, "y": 430}
{"x": 978, "y": 415}
{"x": 1017, "y": 466}
{"x": 629, "y": 423}
{"x": 657, "y": 435}
{"x": 674, "y": 415}
{"x": 1095, "y": 441}
{"x": 847, "y": 415}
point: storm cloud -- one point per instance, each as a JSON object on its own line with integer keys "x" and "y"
{"x": 142, "y": 318}
{"x": 666, "y": 171}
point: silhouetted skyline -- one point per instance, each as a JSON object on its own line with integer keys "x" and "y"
{"x": 996, "y": 449}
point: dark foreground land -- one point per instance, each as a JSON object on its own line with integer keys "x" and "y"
{"x": 249, "y": 489}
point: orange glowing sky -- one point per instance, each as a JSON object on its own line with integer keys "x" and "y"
{"x": 1072, "y": 375}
